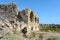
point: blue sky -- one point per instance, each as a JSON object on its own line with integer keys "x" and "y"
{"x": 48, "y": 11}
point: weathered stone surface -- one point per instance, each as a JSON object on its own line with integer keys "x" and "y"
{"x": 12, "y": 20}
{"x": 29, "y": 17}
{"x": 8, "y": 11}
{"x": 19, "y": 25}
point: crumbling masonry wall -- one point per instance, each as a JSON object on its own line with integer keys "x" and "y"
{"x": 19, "y": 19}
{"x": 30, "y": 18}
{"x": 8, "y": 11}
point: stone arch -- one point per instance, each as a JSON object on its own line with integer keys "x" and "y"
{"x": 36, "y": 20}
{"x": 31, "y": 16}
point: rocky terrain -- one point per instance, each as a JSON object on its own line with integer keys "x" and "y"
{"x": 17, "y": 25}
{"x": 22, "y": 25}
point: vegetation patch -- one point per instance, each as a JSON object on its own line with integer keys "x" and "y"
{"x": 54, "y": 38}
{"x": 53, "y": 29}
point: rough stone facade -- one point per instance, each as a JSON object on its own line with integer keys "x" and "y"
{"x": 8, "y": 11}
{"x": 19, "y": 19}
{"x": 28, "y": 17}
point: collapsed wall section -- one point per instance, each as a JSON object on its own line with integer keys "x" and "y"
{"x": 8, "y": 11}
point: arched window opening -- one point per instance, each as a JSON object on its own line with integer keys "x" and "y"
{"x": 35, "y": 19}
{"x": 31, "y": 28}
{"x": 31, "y": 16}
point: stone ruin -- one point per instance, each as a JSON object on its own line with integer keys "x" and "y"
{"x": 12, "y": 18}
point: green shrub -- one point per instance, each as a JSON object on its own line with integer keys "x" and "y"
{"x": 54, "y": 38}
{"x": 53, "y": 29}
{"x": 40, "y": 36}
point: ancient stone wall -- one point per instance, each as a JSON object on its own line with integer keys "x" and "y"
{"x": 29, "y": 17}
{"x": 8, "y": 11}
{"x": 20, "y": 20}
